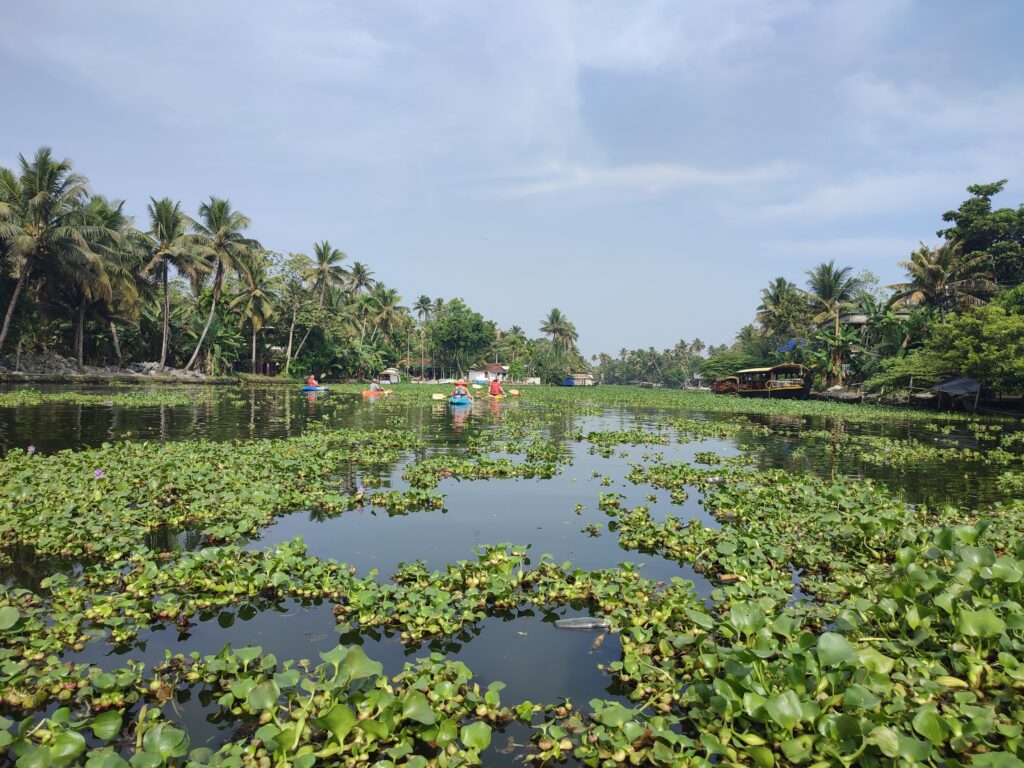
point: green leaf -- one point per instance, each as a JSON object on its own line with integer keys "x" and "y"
{"x": 929, "y": 724}
{"x": 165, "y": 740}
{"x": 416, "y": 707}
{"x": 858, "y": 697}
{"x": 447, "y": 732}
{"x": 66, "y": 748}
{"x": 264, "y": 695}
{"x": 247, "y": 654}
{"x": 784, "y": 709}
{"x": 747, "y": 618}
{"x": 339, "y": 721}
{"x": 360, "y": 665}
{"x": 106, "y": 758}
{"x": 614, "y": 715}
{"x": 107, "y": 725}
{"x": 476, "y": 736}
{"x": 983, "y": 623}
{"x": 9, "y": 616}
{"x": 762, "y": 756}
{"x": 834, "y": 650}
{"x": 35, "y": 757}
{"x": 886, "y": 739}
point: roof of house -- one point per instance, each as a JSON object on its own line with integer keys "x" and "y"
{"x": 390, "y": 370}
{"x": 492, "y": 368}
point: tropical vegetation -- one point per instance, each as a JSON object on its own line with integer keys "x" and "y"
{"x": 200, "y": 292}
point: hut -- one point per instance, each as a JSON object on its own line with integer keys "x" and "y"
{"x": 488, "y": 372}
{"x": 389, "y": 376}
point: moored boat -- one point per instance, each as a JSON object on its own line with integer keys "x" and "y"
{"x": 727, "y": 385}
{"x": 788, "y": 380}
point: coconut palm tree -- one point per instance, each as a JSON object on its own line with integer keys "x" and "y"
{"x": 221, "y": 244}
{"x": 423, "y": 307}
{"x": 776, "y": 301}
{"x": 327, "y": 272}
{"x": 438, "y": 306}
{"x": 386, "y": 310}
{"x": 832, "y": 290}
{"x": 944, "y": 278}
{"x": 562, "y": 332}
{"x": 42, "y": 224}
{"x": 169, "y": 244}
{"x": 360, "y": 278}
{"x": 122, "y": 260}
{"x": 255, "y": 300}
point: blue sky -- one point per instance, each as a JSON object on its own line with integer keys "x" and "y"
{"x": 647, "y": 167}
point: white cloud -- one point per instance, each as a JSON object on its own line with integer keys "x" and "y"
{"x": 648, "y": 178}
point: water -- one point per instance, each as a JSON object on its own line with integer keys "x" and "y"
{"x": 557, "y": 516}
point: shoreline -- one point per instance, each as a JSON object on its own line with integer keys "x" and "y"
{"x": 124, "y": 377}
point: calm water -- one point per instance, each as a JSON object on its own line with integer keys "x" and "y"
{"x": 538, "y": 661}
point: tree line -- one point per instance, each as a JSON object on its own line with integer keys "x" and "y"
{"x": 199, "y": 292}
{"x": 960, "y": 309}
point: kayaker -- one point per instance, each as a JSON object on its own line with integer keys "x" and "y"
{"x": 311, "y": 381}
{"x": 375, "y": 387}
{"x": 460, "y": 389}
{"x": 496, "y": 389}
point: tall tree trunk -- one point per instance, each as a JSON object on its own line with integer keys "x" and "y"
{"x": 117, "y": 342}
{"x": 167, "y": 319}
{"x": 302, "y": 343}
{"x": 254, "y": 348}
{"x": 80, "y": 335}
{"x": 209, "y": 319}
{"x": 22, "y": 274}
{"x": 291, "y": 335}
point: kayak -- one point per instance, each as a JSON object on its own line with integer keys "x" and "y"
{"x": 461, "y": 400}
{"x": 314, "y": 389}
{"x": 375, "y": 392}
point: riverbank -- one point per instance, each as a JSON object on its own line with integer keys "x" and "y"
{"x": 51, "y": 368}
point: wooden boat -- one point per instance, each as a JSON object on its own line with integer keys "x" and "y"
{"x": 788, "y": 380}
{"x": 727, "y": 385}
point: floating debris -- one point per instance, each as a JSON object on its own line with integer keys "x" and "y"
{"x": 584, "y": 623}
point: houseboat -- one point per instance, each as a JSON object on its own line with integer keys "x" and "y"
{"x": 727, "y": 385}
{"x": 790, "y": 380}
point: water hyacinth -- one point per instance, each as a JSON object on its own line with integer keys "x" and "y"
{"x": 843, "y": 625}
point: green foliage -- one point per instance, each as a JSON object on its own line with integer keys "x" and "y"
{"x": 459, "y": 337}
{"x": 924, "y": 366}
{"x": 996, "y": 236}
{"x": 986, "y": 343}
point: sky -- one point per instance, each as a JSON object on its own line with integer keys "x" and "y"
{"x": 646, "y": 167}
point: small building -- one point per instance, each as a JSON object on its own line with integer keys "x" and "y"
{"x": 389, "y": 376}
{"x": 488, "y": 372}
{"x": 578, "y": 380}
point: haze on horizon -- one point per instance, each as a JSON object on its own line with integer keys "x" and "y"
{"x": 646, "y": 167}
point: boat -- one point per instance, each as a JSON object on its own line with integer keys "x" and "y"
{"x": 788, "y": 380}
{"x": 727, "y": 385}
{"x": 460, "y": 400}
{"x": 376, "y": 392}
{"x": 578, "y": 380}
{"x": 308, "y": 388}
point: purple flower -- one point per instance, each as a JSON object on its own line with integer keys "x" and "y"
{"x": 99, "y": 473}
{"x": 360, "y": 490}
{"x": 30, "y": 450}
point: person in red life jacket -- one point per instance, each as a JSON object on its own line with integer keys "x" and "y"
{"x": 496, "y": 389}
{"x": 311, "y": 381}
{"x": 460, "y": 389}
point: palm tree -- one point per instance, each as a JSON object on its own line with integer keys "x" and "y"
{"x": 386, "y": 309}
{"x": 438, "y": 306}
{"x": 121, "y": 260}
{"x": 221, "y": 244}
{"x": 42, "y": 223}
{"x": 943, "y": 278}
{"x": 562, "y": 332}
{"x": 832, "y": 290}
{"x": 169, "y": 245}
{"x": 774, "y": 300}
{"x": 255, "y": 300}
{"x": 327, "y": 273}
{"x": 360, "y": 278}
{"x": 423, "y": 307}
